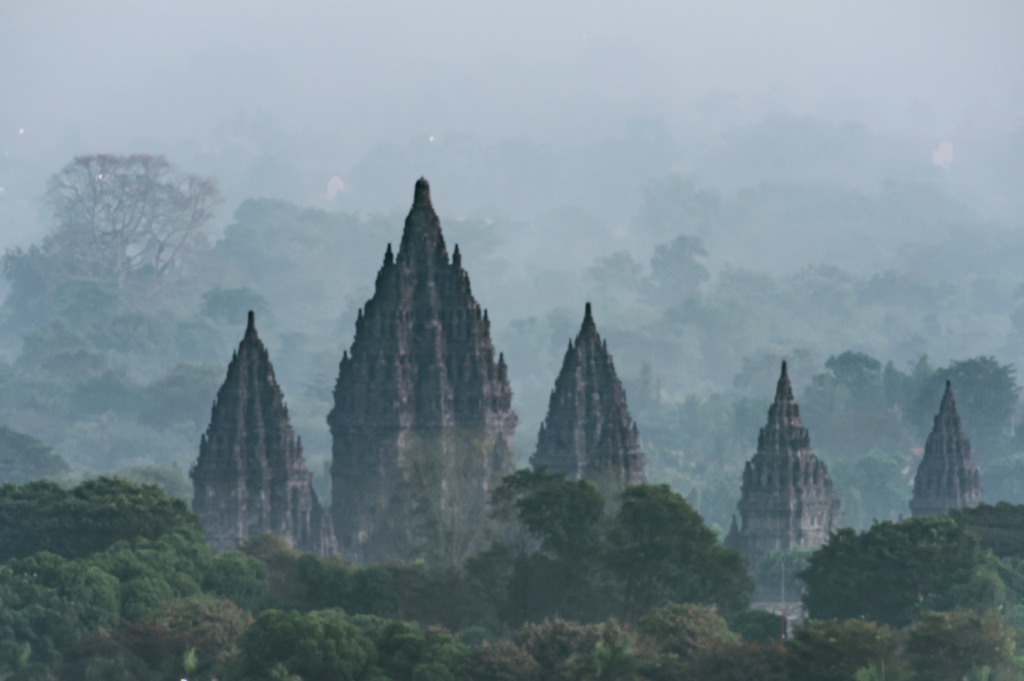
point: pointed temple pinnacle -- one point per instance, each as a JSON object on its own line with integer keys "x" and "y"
{"x": 784, "y": 391}
{"x": 588, "y": 320}
{"x": 251, "y": 326}
{"x": 948, "y": 404}
{"x": 421, "y": 197}
{"x": 389, "y": 257}
{"x": 457, "y": 257}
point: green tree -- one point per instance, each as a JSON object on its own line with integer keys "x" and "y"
{"x": 609, "y": 662}
{"x": 94, "y": 594}
{"x": 827, "y": 650}
{"x": 687, "y": 631}
{"x": 315, "y": 647}
{"x": 662, "y": 552}
{"x": 742, "y": 662}
{"x": 34, "y": 614}
{"x": 40, "y": 516}
{"x": 890, "y": 573}
{"x": 758, "y": 626}
{"x": 24, "y": 458}
{"x": 239, "y": 577}
{"x": 200, "y": 632}
{"x": 949, "y": 646}
{"x": 558, "y": 580}
{"x": 998, "y": 528}
{"x": 554, "y": 644}
{"x": 499, "y": 661}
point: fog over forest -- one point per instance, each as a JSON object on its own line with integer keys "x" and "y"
{"x": 730, "y": 184}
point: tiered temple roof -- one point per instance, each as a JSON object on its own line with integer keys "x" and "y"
{"x": 422, "y": 411}
{"x": 588, "y": 432}
{"x": 947, "y": 477}
{"x": 787, "y": 497}
{"x": 251, "y": 477}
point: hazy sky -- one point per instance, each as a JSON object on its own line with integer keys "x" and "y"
{"x": 115, "y": 71}
{"x": 318, "y": 85}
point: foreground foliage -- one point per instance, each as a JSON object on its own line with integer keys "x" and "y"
{"x": 637, "y": 584}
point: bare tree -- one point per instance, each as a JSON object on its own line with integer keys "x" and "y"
{"x": 117, "y": 215}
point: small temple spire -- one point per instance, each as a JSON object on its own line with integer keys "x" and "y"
{"x": 947, "y": 477}
{"x": 787, "y": 498}
{"x": 245, "y": 485}
{"x": 389, "y": 257}
{"x": 588, "y": 431}
{"x": 457, "y": 257}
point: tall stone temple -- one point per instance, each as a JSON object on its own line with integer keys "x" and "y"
{"x": 251, "y": 477}
{"x": 588, "y": 432}
{"x": 422, "y": 420}
{"x": 947, "y": 477}
{"x": 787, "y": 496}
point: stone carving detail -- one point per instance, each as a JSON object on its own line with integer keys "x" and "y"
{"x": 947, "y": 477}
{"x": 422, "y": 420}
{"x": 251, "y": 477}
{"x": 787, "y": 497}
{"x": 588, "y": 432}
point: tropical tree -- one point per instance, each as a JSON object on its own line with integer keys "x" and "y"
{"x": 892, "y": 572}
{"x": 118, "y": 215}
{"x": 661, "y": 551}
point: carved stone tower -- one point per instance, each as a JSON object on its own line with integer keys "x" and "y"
{"x": 250, "y": 477}
{"x": 947, "y": 477}
{"x": 588, "y": 432}
{"x": 787, "y": 497}
{"x": 422, "y": 419}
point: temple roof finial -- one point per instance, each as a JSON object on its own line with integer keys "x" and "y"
{"x": 421, "y": 197}
{"x": 784, "y": 390}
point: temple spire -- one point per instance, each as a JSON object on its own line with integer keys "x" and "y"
{"x": 250, "y": 476}
{"x": 787, "y": 496}
{"x": 947, "y": 477}
{"x": 588, "y": 432}
{"x": 421, "y": 371}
